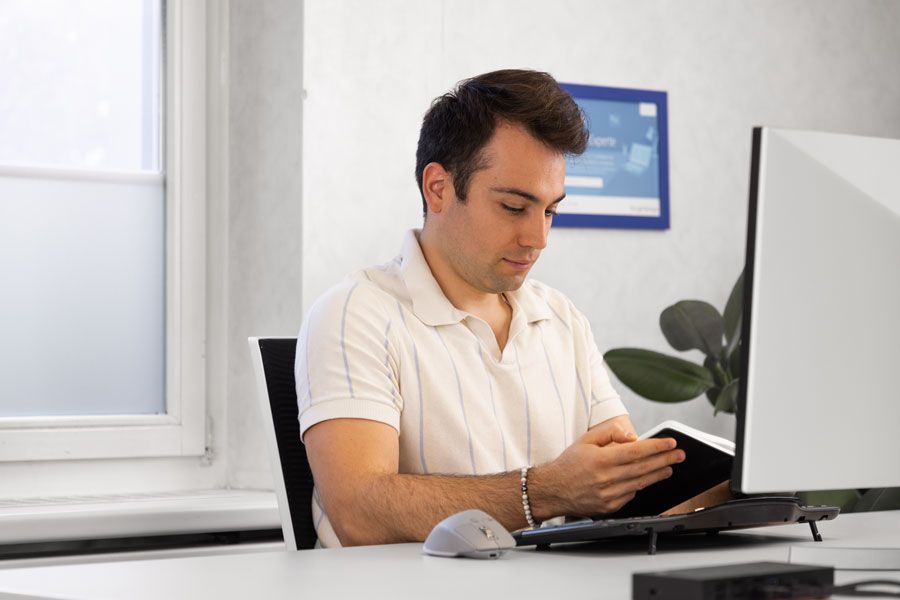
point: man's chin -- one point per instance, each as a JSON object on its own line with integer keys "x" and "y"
{"x": 508, "y": 283}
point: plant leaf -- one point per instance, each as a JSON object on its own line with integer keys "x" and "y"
{"x": 712, "y": 394}
{"x": 726, "y": 401}
{"x": 879, "y": 499}
{"x": 693, "y": 324}
{"x": 657, "y": 376}
{"x": 718, "y": 374}
{"x": 843, "y": 499}
{"x": 734, "y": 315}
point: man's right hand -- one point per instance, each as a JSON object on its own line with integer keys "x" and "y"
{"x": 599, "y": 473}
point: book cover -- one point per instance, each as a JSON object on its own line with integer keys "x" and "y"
{"x": 708, "y": 461}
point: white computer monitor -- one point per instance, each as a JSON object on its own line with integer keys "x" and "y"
{"x": 819, "y": 404}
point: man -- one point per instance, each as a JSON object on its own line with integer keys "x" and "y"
{"x": 444, "y": 380}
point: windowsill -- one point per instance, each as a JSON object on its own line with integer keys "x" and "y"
{"x": 115, "y": 516}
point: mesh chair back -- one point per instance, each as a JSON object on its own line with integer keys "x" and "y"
{"x": 277, "y": 358}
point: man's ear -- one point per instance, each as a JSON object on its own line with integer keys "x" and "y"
{"x": 437, "y": 187}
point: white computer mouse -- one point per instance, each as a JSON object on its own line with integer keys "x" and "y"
{"x": 470, "y": 533}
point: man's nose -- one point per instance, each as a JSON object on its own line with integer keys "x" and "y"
{"x": 535, "y": 231}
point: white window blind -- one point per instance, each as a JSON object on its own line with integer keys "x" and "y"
{"x": 80, "y": 84}
{"x": 82, "y": 208}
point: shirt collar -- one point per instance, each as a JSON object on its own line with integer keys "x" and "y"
{"x": 532, "y": 305}
{"x": 428, "y": 300}
{"x": 432, "y": 306}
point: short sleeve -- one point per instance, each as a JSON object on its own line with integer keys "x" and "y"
{"x": 605, "y": 402}
{"x": 346, "y": 366}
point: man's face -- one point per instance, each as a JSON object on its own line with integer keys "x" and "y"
{"x": 494, "y": 238}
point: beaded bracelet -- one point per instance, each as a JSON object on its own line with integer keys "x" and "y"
{"x": 525, "y": 504}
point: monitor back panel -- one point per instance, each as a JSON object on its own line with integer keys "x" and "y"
{"x": 820, "y": 408}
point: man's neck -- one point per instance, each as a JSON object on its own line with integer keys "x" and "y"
{"x": 458, "y": 291}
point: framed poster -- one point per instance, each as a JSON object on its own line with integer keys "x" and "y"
{"x": 622, "y": 179}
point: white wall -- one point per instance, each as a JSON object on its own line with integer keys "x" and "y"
{"x": 371, "y": 69}
{"x": 262, "y": 250}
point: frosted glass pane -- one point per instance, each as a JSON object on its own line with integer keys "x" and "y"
{"x": 82, "y": 297}
{"x": 80, "y": 83}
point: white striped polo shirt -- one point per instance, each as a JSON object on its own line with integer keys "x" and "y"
{"x": 385, "y": 344}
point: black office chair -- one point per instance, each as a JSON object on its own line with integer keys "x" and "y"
{"x": 273, "y": 361}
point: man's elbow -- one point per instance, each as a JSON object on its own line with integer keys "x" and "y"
{"x": 354, "y": 528}
{"x": 353, "y": 534}
{"x": 362, "y": 517}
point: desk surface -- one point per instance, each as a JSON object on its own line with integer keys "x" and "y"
{"x": 601, "y": 570}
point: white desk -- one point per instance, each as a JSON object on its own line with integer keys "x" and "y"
{"x": 401, "y": 571}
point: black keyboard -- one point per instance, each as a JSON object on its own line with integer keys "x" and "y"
{"x": 743, "y": 513}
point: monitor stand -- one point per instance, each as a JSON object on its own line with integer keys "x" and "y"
{"x": 847, "y": 558}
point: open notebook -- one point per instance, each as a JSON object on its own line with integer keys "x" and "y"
{"x": 708, "y": 461}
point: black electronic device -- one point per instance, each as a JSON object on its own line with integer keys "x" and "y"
{"x": 736, "y": 514}
{"x": 731, "y": 582}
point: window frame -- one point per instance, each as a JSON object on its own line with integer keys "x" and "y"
{"x": 182, "y": 430}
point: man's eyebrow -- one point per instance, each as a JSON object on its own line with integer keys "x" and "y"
{"x": 523, "y": 194}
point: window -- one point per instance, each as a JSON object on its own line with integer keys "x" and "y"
{"x": 102, "y": 212}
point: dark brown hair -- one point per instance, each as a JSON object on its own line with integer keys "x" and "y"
{"x": 460, "y": 123}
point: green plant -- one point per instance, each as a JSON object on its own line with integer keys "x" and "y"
{"x": 697, "y": 325}
{"x": 689, "y": 325}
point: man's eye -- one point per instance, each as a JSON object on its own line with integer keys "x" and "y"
{"x": 550, "y": 213}
{"x": 512, "y": 209}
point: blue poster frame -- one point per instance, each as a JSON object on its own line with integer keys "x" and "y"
{"x": 592, "y": 92}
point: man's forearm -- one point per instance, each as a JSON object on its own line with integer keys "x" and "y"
{"x": 404, "y": 508}
{"x": 368, "y": 502}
